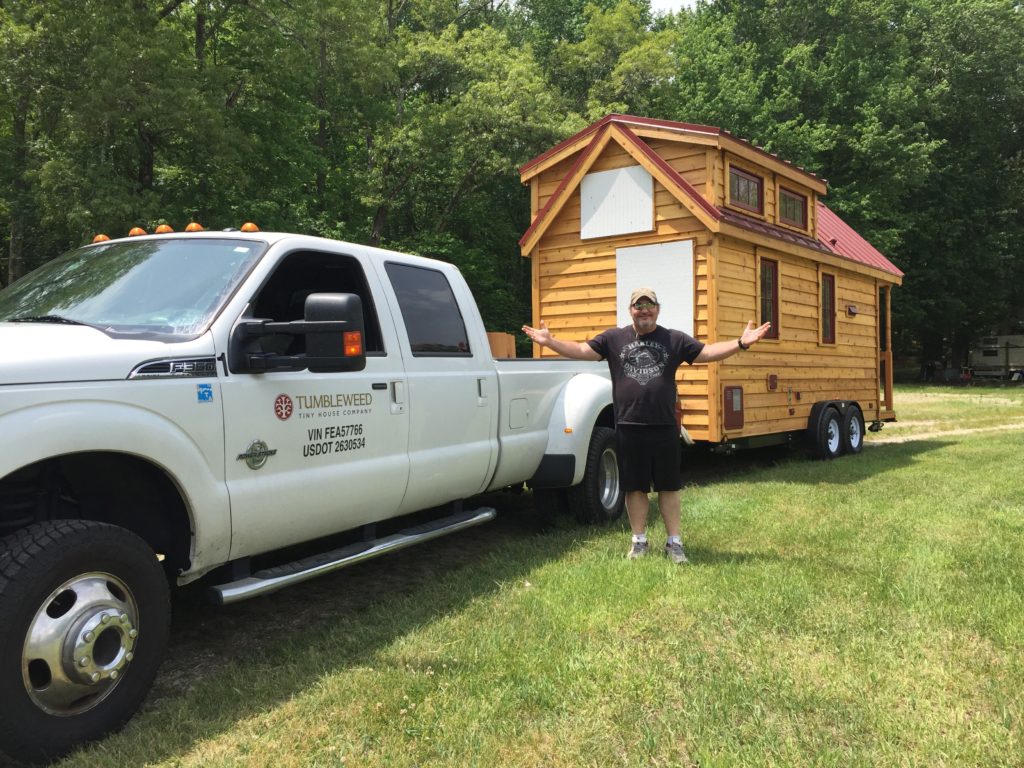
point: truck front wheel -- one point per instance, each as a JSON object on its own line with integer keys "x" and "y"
{"x": 599, "y": 498}
{"x": 84, "y": 619}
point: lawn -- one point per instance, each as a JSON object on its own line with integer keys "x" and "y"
{"x": 866, "y": 611}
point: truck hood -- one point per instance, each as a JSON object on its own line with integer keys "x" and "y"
{"x": 32, "y": 353}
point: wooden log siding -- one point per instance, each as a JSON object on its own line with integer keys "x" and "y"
{"x": 575, "y": 280}
{"x": 802, "y": 364}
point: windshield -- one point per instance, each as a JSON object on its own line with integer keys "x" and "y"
{"x": 151, "y": 288}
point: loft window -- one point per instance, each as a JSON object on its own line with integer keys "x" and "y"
{"x": 792, "y": 209}
{"x": 828, "y": 309}
{"x": 770, "y": 296}
{"x": 746, "y": 190}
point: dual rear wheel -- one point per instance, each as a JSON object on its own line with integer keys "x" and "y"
{"x": 599, "y": 498}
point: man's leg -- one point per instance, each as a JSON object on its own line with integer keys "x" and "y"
{"x": 668, "y": 503}
{"x": 637, "y": 508}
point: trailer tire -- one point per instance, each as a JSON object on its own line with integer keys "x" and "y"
{"x": 828, "y": 438}
{"x": 599, "y": 498}
{"x": 84, "y": 619}
{"x": 853, "y": 429}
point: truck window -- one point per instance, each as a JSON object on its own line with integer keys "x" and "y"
{"x": 283, "y": 296}
{"x": 429, "y": 310}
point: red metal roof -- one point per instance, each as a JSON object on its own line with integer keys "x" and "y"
{"x": 671, "y": 125}
{"x": 840, "y": 238}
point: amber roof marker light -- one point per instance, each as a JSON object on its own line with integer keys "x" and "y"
{"x": 250, "y": 227}
{"x": 101, "y": 238}
{"x": 136, "y": 231}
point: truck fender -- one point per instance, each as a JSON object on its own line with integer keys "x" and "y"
{"x": 582, "y": 401}
{"x": 55, "y": 429}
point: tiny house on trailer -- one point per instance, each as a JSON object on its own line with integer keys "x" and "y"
{"x": 725, "y": 232}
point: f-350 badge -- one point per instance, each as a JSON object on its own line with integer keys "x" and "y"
{"x": 256, "y": 454}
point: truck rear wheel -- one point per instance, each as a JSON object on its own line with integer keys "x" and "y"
{"x": 84, "y": 619}
{"x": 599, "y": 498}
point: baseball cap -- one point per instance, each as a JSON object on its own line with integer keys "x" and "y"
{"x": 640, "y": 293}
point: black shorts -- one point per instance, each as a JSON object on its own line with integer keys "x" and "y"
{"x": 649, "y": 457}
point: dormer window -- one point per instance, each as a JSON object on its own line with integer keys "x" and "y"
{"x": 792, "y": 208}
{"x": 746, "y": 190}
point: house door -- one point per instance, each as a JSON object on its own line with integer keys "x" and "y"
{"x": 665, "y": 267}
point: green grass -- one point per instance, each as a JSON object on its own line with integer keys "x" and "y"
{"x": 866, "y": 611}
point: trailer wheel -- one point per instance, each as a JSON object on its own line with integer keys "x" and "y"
{"x": 599, "y": 498}
{"x": 853, "y": 430}
{"x": 828, "y": 442}
{"x": 84, "y": 619}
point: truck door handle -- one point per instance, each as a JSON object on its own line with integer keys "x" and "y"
{"x": 397, "y": 392}
{"x": 481, "y": 388}
{"x": 379, "y": 385}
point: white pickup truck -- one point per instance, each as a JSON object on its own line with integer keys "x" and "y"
{"x": 182, "y": 406}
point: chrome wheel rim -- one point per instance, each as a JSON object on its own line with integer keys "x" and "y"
{"x": 609, "y": 479}
{"x": 79, "y": 644}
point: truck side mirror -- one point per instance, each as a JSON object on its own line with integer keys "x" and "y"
{"x": 327, "y": 347}
{"x": 333, "y": 331}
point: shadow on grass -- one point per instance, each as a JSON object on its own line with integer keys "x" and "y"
{"x": 793, "y": 465}
{"x": 342, "y": 620}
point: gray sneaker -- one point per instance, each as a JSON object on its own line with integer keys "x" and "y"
{"x": 675, "y": 553}
{"x": 638, "y": 549}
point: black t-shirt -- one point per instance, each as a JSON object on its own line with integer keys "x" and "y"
{"x": 643, "y": 371}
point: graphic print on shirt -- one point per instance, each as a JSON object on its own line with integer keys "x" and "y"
{"x": 644, "y": 360}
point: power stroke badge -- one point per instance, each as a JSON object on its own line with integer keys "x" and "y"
{"x": 256, "y": 455}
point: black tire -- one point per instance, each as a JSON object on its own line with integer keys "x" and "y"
{"x": 853, "y": 430}
{"x": 100, "y": 590}
{"x": 599, "y": 498}
{"x": 828, "y": 443}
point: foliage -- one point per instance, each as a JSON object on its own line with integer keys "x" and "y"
{"x": 404, "y": 121}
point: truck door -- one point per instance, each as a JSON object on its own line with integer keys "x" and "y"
{"x": 453, "y": 388}
{"x": 310, "y": 454}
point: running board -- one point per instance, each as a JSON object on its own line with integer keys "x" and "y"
{"x": 273, "y": 579}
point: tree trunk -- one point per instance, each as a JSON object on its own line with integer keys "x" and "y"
{"x": 146, "y": 158}
{"x": 16, "y": 260}
{"x": 201, "y": 34}
{"x": 321, "y": 132}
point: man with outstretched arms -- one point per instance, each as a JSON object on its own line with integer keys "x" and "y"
{"x": 643, "y": 358}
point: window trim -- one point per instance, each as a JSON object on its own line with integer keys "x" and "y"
{"x": 749, "y": 176}
{"x": 822, "y": 338}
{"x": 804, "y": 201}
{"x": 774, "y": 332}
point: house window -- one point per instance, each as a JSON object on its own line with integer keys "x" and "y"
{"x": 828, "y": 309}
{"x": 746, "y": 190}
{"x": 792, "y": 209}
{"x": 770, "y": 296}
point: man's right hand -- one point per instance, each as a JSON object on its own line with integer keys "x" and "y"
{"x": 540, "y": 335}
